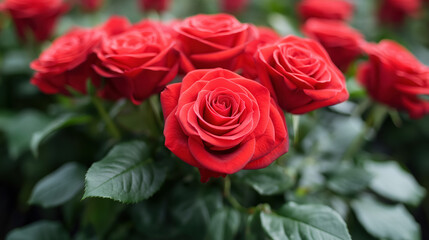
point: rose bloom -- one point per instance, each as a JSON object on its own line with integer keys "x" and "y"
{"x": 301, "y": 75}
{"x": 326, "y": 9}
{"x": 395, "y": 11}
{"x": 37, "y": 16}
{"x": 247, "y": 60}
{"x": 209, "y": 41}
{"x": 138, "y": 62}
{"x": 393, "y": 76}
{"x": 221, "y": 122}
{"x": 91, "y": 5}
{"x": 157, "y": 5}
{"x": 67, "y": 62}
{"x": 233, "y": 5}
{"x": 340, "y": 41}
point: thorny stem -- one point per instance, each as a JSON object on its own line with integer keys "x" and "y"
{"x": 227, "y": 194}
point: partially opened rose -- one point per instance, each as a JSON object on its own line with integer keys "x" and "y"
{"x": 300, "y": 74}
{"x": 68, "y": 61}
{"x": 91, "y": 5}
{"x": 209, "y": 41}
{"x": 393, "y": 76}
{"x": 37, "y": 16}
{"x": 325, "y": 9}
{"x": 138, "y": 62}
{"x": 233, "y": 5}
{"x": 340, "y": 40}
{"x": 220, "y": 122}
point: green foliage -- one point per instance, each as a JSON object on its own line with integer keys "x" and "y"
{"x": 59, "y": 187}
{"x": 385, "y": 221}
{"x": 42, "y": 230}
{"x": 127, "y": 174}
{"x": 224, "y": 225}
{"x": 294, "y": 221}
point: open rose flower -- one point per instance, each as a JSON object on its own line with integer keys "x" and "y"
{"x": 157, "y": 5}
{"x": 340, "y": 41}
{"x": 247, "y": 60}
{"x": 37, "y": 16}
{"x": 68, "y": 61}
{"x": 325, "y": 9}
{"x": 395, "y": 11}
{"x": 138, "y": 62}
{"x": 301, "y": 75}
{"x": 210, "y": 41}
{"x": 220, "y": 122}
{"x": 393, "y": 76}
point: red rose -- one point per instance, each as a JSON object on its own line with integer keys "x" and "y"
{"x": 138, "y": 62}
{"x": 247, "y": 60}
{"x": 157, "y": 5}
{"x": 67, "y": 62}
{"x": 395, "y": 11}
{"x": 340, "y": 41}
{"x": 326, "y": 9}
{"x": 91, "y": 5}
{"x": 233, "y": 5}
{"x": 220, "y": 122}
{"x": 38, "y": 16}
{"x": 393, "y": 76}
{"x": 301, "y": 75}
{"x": 210, "y": 41}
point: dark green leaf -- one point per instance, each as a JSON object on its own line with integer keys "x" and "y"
{"x": 294, "y": 221}
{"x": 126, "y": 174}
{"x": 349, "y": 181}
{"x": 59, "y": 123}
{"x": 384, "y": 221}
{"x": 224, "y": 225}
{"x": 267, "y": 181}
{"x": 42, "y": 230}
{"x": 392, "y": 182}
{"x": 59, "y": 186}
{"x": 19, "y": 129}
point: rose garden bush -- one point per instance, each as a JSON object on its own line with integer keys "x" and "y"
{"x": 299, "y": 119}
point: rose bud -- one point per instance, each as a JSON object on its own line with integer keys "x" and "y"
{"x": 395, "y": 11}
{"x": 340, "y": 41}
{"x": 247, "y": 60}
{"x": 37, "y": 16}
{"x": 137, "y": 63}
{"x": 91, "y": 5}
{"x": 393, "y": 76}
{"x": 157, "y": 5}
{"x": 221, "y": 123}
{"x": 209, "y": 41}
{"x": 325, "y": 9}
{"x": 68, "y": 61}
{"x": 301, "y": 75}
{"x": 233, "y": 5}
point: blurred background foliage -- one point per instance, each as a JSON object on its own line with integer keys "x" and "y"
{"x": 336, "y": 158}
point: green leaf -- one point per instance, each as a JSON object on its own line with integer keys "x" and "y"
{"x": 61, "y": 122}
{"x": 349, "y": 181}
{"x": 267, "y": 181}
{"x": 19, "y": 128}
{"x": 126, "y": 174}
{"x": 294, "y": 221}
{"x": 224, "y": 225}
{"x": 385, "y": 221}
{"x": 59, "y": 186}
{"x": 392, "y": 182}
{"x": 42, "y": 230}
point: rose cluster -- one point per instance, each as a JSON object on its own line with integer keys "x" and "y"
{"x": 232, "y": 80}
